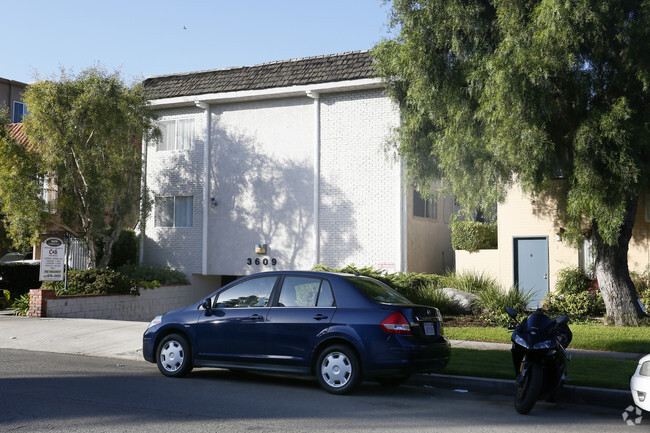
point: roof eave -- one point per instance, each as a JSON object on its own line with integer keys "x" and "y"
{"x": 271, "y": 93}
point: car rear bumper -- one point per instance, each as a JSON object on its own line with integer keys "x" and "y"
{"x": 408, "y": 359}
{"x": 640, "y": 388}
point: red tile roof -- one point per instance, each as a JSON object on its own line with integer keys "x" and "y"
{"x": 17, "y": 133}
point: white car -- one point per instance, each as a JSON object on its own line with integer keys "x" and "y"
{"x": 640, "y": 384}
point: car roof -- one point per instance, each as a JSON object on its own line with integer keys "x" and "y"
{"x": 312, "y": 273}
{"x": 14, "y": 256}
{"x": 345, "y": 296}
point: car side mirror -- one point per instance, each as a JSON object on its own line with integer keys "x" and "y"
{"x": 207, "y": 306}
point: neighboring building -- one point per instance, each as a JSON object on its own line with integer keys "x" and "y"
{"x": 284, "y": 166}
{"x": 531, "y": 249}
{"x": 11, "y": 95}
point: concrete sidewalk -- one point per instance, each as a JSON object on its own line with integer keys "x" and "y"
{"x": 92, "y": 337}
{"x": 123, "y": 340}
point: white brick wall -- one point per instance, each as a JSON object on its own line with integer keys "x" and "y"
{"x": 177, "y": 173}
{"x": 360, "y": 185}
{"x": 360, "y": 195}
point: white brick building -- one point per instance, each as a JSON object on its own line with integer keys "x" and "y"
{"x": 283, "y": 166}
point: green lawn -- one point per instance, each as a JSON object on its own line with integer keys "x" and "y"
{"x": 583, "y": 371}
{"x": 595, "y": 337}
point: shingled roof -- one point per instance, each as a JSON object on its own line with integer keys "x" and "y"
{"x": 308, "y": 70}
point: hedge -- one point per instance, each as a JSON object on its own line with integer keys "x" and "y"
{"x": 19, "y": 278}
{"x": 473, "y": 236}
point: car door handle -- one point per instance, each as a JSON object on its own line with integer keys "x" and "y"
{"x": 256, "y": 317}
{"x": 320, "y": 317}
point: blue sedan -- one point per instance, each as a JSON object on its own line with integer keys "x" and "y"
{"x": 341, "y": 328}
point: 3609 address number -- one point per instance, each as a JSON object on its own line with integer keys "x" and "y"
{"x": 263, "y": 262}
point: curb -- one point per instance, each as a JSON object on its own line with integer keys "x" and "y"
{"x": 612, "y": 398}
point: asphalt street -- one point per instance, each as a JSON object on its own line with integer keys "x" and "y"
{"x": 123, "y": 340}
{"x": 45, "y": 391}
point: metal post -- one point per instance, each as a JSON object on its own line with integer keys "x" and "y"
{"x": 66, "y": 236}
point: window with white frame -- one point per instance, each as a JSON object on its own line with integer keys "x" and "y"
{"x": 177, "y": 134}
{"x": 424, "y": 208}
{"x": 174, "y": 211}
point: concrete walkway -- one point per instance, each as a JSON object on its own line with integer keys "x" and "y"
{"x": 92, "y": 337}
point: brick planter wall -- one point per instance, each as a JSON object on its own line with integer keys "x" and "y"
{"x": 150, "y": 303}
{"x": 38, "y": 302}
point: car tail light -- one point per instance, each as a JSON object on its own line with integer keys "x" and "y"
{"x": 396, "y": 323}
{"x": 645, "y": 369}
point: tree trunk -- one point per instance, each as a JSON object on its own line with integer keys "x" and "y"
{"x": 612, "y": 272}
{"x": 108, "y": 246}
{"x": 92, "y": 254}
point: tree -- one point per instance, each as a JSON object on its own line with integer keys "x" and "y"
{"x": 496, "y": 92}
{"x": 87, "y": 131}
{"x": 21, "y": 184}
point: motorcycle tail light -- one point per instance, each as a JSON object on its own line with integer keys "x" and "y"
{"x": 640, "y": 395}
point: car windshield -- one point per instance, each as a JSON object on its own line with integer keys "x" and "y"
{"x": 377, "y": 291}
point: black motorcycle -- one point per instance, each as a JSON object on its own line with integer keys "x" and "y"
{"x": 539, "y": 357}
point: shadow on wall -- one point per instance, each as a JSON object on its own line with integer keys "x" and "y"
{"x": 261, "y": 196}
{"x": 551, "y": 204}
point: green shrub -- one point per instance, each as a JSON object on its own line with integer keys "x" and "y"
{"x": 93, "y": 281}
{"x": 576, "y": 295}
{"x": 642, "y": 284}
{"x": 19, "y": 278}
{"x": 493, "y": 300}
{"x": 418, "y": 288}
{"x": 578, "y": 306}
{"x": 125, "y": 249}
{"x": 5, "y": 299}
{"x": 473, "y": 236}
{"x": 470, "y": 282}
{"x": 572, "y": 280}
{"x": 21, "y": 305}
{"x": 145, "y": 275}
{"x": 435, "y": 297}
{"x": 367, "y": 271}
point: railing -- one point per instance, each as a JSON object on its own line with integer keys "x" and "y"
{"x": 77, "y": 253}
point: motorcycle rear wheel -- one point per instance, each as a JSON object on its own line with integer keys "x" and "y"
{"x": 529, "y": 389}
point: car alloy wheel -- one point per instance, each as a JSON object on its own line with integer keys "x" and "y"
{"x": 338, "y": 370}
{"x": 174, "y": 358}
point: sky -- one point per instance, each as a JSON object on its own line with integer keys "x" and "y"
{"x": 143, "y": 38}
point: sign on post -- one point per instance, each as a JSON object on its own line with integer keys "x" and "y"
{"x": 52, "y": 259}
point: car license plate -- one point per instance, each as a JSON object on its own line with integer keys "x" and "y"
{"x": 429, "y": 328}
